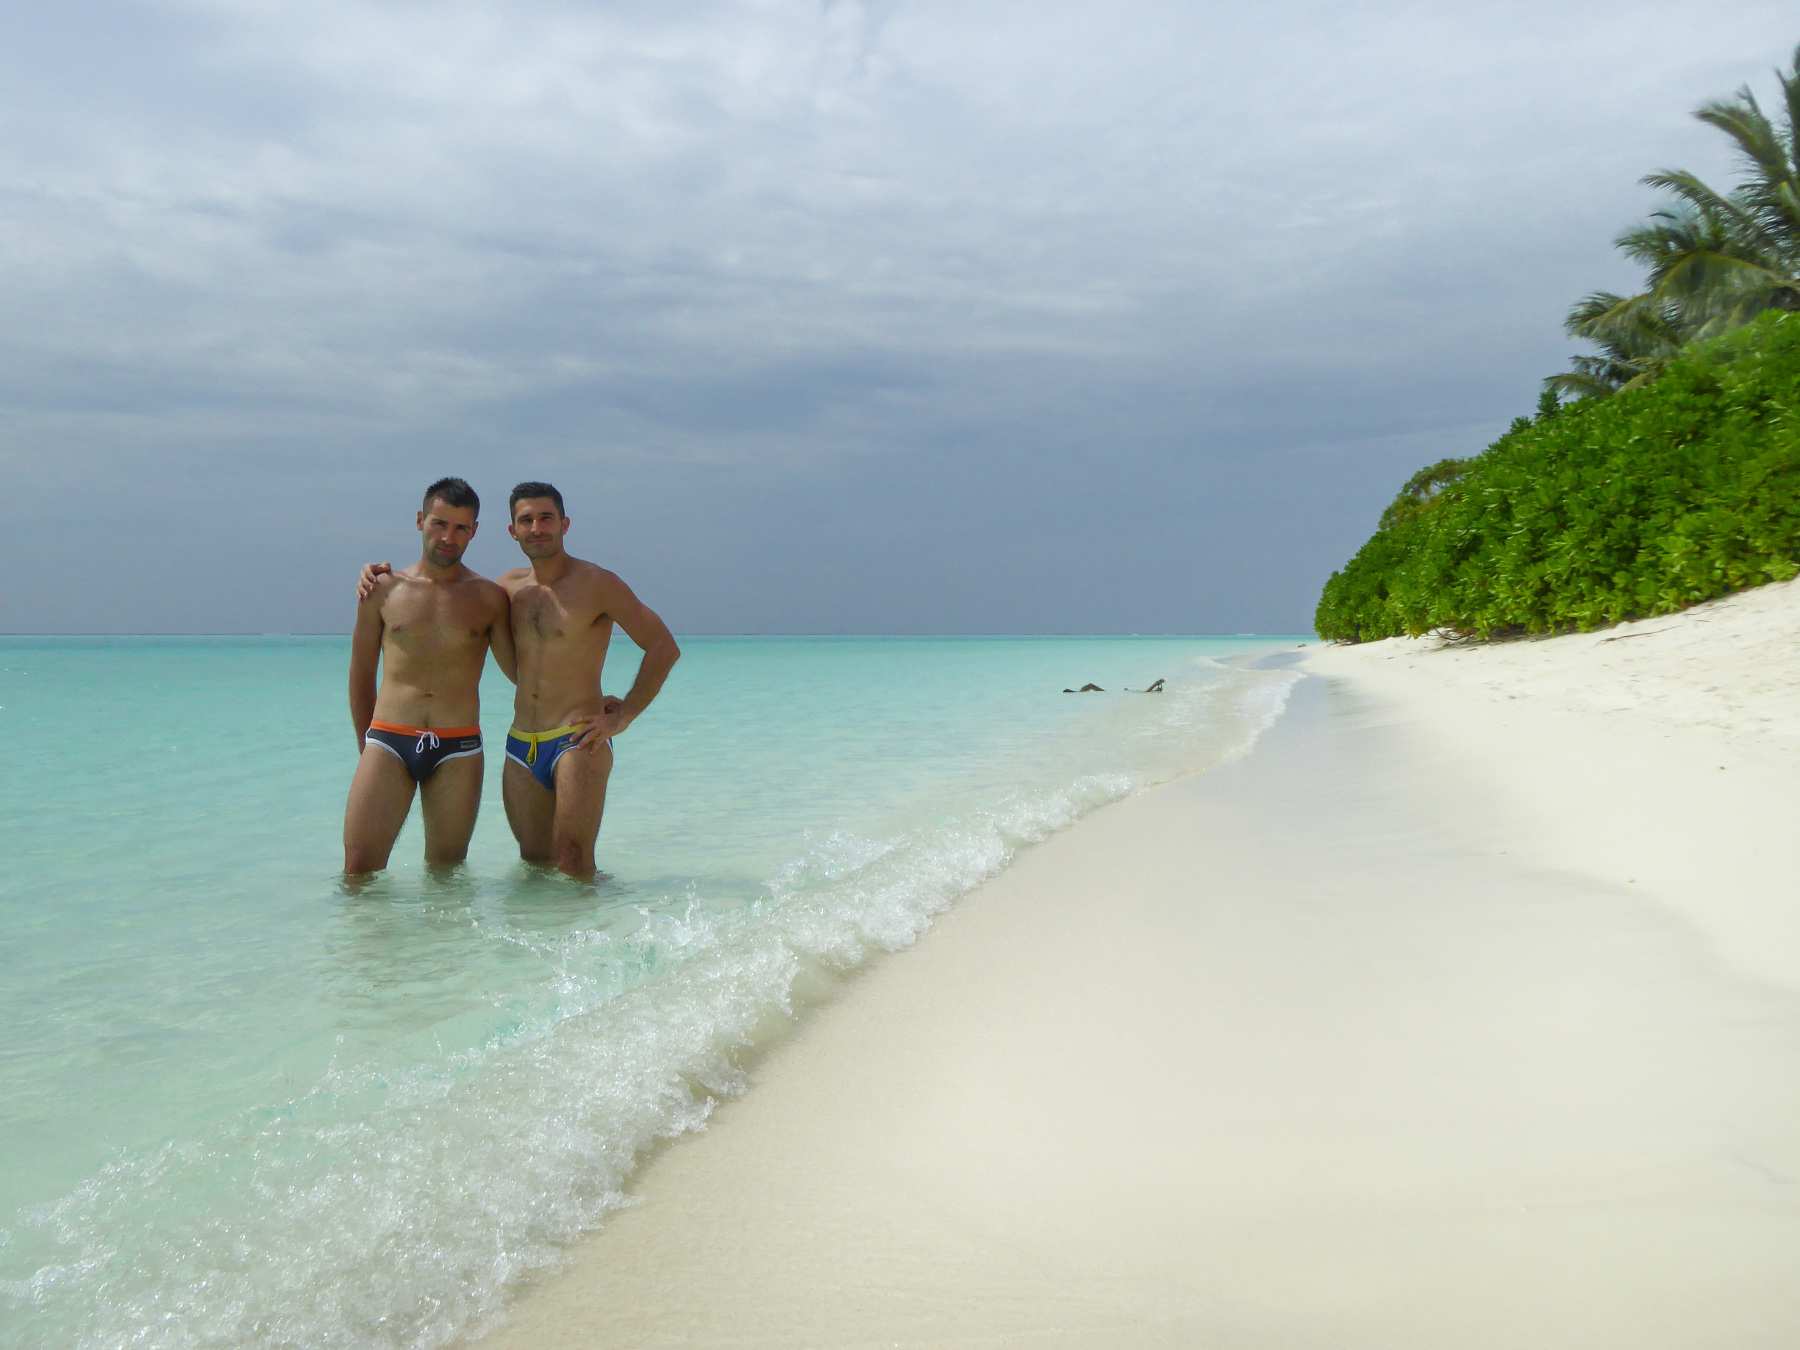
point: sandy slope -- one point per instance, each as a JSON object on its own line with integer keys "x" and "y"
{"x": 1731, "y": 667}
{"x": 1663, "y": 754}
{"x": 1465, "y": 1012}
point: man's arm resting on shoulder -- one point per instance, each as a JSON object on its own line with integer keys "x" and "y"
{"x": 645, "y": 627}
{"x": 365, "y": 658}
{"x": 365, "y": 580}
{"x": 500, "y": 636}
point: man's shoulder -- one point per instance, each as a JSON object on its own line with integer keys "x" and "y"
{"x": 382, "y": 585}
{"x": 490, "y": 591}
{"x": 512, "y": 578}
{"x": 592, "y": 573}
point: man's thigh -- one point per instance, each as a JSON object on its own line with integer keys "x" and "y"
{"x": 530, "y": 810}
{"x": 450, "y": 799}
{"x": 581, "y": 778}
{"x": 381, "y": 793}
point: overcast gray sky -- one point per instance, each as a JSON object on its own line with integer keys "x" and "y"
{"x": 865, "y": 317}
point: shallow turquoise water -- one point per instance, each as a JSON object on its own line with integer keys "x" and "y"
{"x": 243, "y": 1104}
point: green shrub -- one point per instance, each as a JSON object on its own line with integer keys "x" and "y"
{"x": 1604, "y": 510}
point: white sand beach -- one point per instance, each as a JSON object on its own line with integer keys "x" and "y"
{"x": 1464, "y": 1012}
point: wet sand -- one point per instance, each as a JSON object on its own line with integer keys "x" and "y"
{"x": 1462, "y": 1012}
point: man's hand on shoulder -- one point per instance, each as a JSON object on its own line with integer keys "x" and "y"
{"x": 368, "y": 578}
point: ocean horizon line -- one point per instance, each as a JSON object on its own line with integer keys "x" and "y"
{"x": 819, "y": 633}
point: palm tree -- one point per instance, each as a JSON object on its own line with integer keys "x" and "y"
{"x": 1714, "y": 260}
{"x": 1636, "y": 336}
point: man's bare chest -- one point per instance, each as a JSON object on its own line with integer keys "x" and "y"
{"x": 419, "y": 619}
{"x": 542, "y": 615}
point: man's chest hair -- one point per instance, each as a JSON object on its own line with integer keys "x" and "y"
{"x": 557, "y": 610}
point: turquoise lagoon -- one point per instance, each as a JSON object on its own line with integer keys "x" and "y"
{"x": 242, "y": 1103}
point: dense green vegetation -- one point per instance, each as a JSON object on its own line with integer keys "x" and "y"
{"x": 1600, "y": 510}
{"x": 1672, "y": 478}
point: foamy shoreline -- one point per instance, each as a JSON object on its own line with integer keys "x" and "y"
{"x": 1465, "y": 1011}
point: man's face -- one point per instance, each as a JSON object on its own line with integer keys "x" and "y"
{"x": 447, "y": 531}
{"x": 538, "y": 526}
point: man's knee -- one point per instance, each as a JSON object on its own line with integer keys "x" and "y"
{"x": 574, "y": 856}
{"x": 361, "y": 858}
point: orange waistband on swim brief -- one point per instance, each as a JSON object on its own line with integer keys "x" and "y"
{"x": 402, "y": 730}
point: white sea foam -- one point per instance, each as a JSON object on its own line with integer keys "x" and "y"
{"x": 404, "y": 1220}
{"x": 397, "y": 1198}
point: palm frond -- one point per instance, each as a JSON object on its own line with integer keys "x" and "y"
{"x": 1787, "y": 199}
{"x": 1593, "y": 310}
{"x": 1714, "y": 260}
{"x": 1670, "y": 234}
{"x": 1743, "y": 120}
{"x": 1630, "y": 328}
{"x": 1578, "y": 384}
{"x": 1704, "y": 269}
{"x": 1691, "y": 190}
{"x": 1790, "y": 90}
{"x": 1735, "y": 217}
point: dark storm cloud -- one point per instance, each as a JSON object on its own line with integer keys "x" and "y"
{"x": 891, "y": 317}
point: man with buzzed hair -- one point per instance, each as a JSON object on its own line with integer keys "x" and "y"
{"x": 429, "y": 627}
{"x": 559, "y": 754}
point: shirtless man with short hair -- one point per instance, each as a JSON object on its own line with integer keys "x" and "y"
{"x": 559, "y": 752}
{"x": 429, "y": 627}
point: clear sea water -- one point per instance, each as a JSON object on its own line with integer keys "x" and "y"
{"x": 243, "y": 1104}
